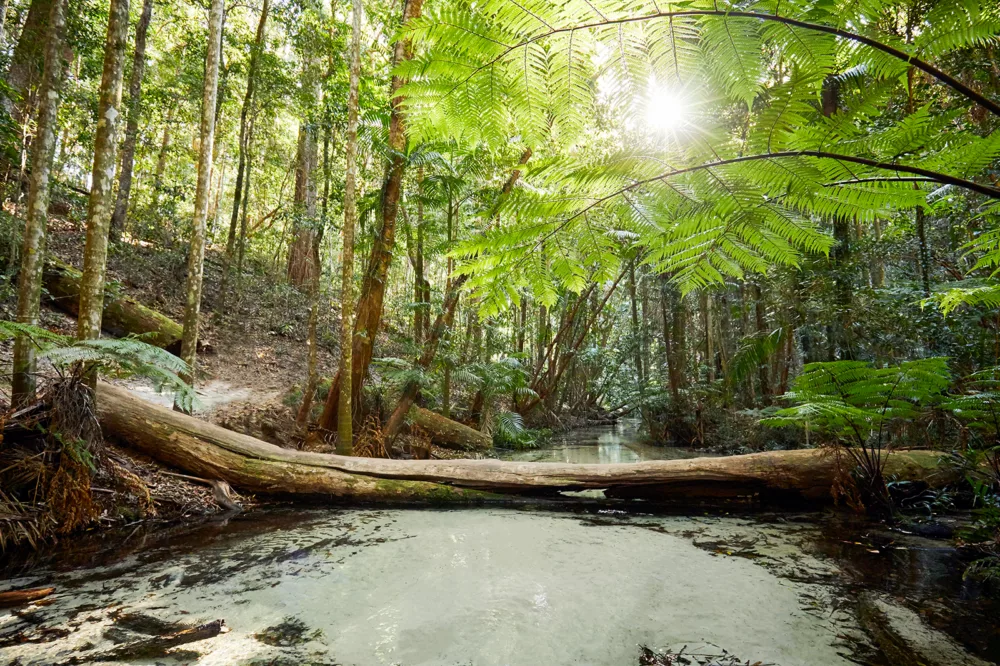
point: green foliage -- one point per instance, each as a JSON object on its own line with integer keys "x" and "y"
{"x": 730, "y": 193}
{"x": 126, "y": 357}
{"x": 855, "y": 405}
{"x": 854, "y": 401}
{"x": 754, "y": 351}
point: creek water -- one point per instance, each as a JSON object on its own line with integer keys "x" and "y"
{"x": 619, "y": 443}
{"x": 493, "y": 586}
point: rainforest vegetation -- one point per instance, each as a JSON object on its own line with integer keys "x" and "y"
{"x": 452, "y": 229}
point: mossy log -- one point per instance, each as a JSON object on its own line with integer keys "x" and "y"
{"x": 449, "y": 434}
{"x": 249, "y": 464}
{"x": 122, "y": 315}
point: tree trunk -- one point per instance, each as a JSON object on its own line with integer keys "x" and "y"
{"x": 442, "y": 323}
{"x": 637, "y": 353}
{"x": 122, "y": 315}
{"x": 759, "y": 317}
{"x": 27, "y": 61}
{"x": 29, "y": 283}
{"x": 449, "y": 434}
{"x": 666, "y": 313}
{"x": 132, "y": 126}
{"x": 196, "y": 254}
{"x": 161, "y": 158}
{"x": 344, "y": 379}
{"x": 210, "y": 451}
{"x": 312, "y": 372}
{"x": 4, "y": 6}
{"x": 706, "y": 321}
{"x": 302, "y": 250}
{"x": 369, "y": 311}
{"x": 418, "y": 265}
{"x": 924, "y": 252}
{"x": 101, "y": 203}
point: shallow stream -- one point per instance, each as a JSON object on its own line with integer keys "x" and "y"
{"x": 492, "y": 586}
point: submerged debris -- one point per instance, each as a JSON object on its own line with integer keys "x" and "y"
{"x": 157, "y": 646}
{"x": 649, "y": 657}
{"x": 290, "y": 632}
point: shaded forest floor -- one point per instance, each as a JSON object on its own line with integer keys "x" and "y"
{"x": 253, "y": 348}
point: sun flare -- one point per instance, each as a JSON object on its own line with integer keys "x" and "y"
{"x": 668, "y": 109}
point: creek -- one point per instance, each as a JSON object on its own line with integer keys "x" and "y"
{"x": 495, "y": 586}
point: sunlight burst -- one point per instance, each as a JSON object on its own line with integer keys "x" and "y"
{"x": 668, "y": 109}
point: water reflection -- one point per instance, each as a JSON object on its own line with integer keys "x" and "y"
{"x": 619, "y": 443}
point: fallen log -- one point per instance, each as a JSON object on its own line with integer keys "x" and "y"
{"x": 122, "y": 315}
{"x": 210, "y": 451}
{"x": 449, "y": 434}
{"x": 13, "y": 598}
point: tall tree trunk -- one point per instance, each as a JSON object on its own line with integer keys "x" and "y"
{"x": 522, "y": 323}
{"x": 678, "y": 341}
{"x": 244, "y": 122}
{"x": 878, "y": 269}
{"x": 302, "y": 249}
{"x": 4, "y": 6}
{"x": 924, "y": 252}
{"x": 345, "y": 426}
{"x": 418, "y": 265}
{"x": 369, "y": 311}
{"x": 241, "y": 242}
{"x": 196, "y": 254}
{"x": 29, "y": 287}
{"x": 666, "y": 313}
{"x": 759, "y": 317}
{"x": 161, "y": 158}
{"x": 100, "y": 205}
{"x": 442, "y": 324}
{"x": 706, "y": 319}
{"x": 27, "y": 61}
{"x": 132, "y": 126}
{"x": 636, "y": 333}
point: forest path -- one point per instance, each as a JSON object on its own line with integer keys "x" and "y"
{"x": 212, "y": 394}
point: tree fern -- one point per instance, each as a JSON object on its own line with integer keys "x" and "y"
{"x": 128, "y": 357}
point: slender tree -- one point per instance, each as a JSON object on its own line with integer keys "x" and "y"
{"x": 132, "y": 126}
{"x": 196, "y": 254}
{"x": 100, "y": 204}
{"x": 258, "y": 45}
{"x": 372, "y": 299}
{"x": 29, "y": 287}
{"x": 345, "y": 427}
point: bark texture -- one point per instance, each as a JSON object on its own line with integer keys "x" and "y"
{"x": 342, "y": 386}
{"x": 450, "y": 434}
{"x": 369, "y": 311}
{"x": 100, "y": 204}
{"x": 303, "y": 253}
{"x": 29, "y": 282}
{"x": 122, "y": 316}
{"x": 258, "y": 45}
{"x": 132, "y": 126}
{"x": 210, "y": 451}
{"x": 196, "y": 254}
